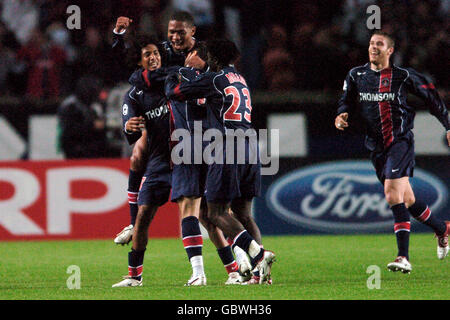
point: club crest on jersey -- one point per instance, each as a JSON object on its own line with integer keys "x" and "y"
{"x": 385, "y": 82}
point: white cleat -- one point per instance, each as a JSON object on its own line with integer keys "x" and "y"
{"x": 245, "y": 269}
{"x": 265, "y": 266}
{"x": 400, "y": 264}
{"x": 124, "y": 236}
{"x": 443, "y": 247}
{"x": 196, "y": 281}
{"x": 234, "y": 278}
{"x": 128, "y": 282}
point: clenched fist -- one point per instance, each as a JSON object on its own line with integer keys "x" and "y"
{"x": 122, "y": 23}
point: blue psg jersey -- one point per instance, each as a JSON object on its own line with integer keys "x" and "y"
{"x": 185, "y": 113}
{"x": 150, "y": 103}
{"x": 227, "y": 96}
{"x": 380, "y": 97}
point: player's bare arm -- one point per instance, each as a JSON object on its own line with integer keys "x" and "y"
{"x": 122, "y": 23}
{"x": 135, "y": 124}
{"x": 341, "y": 121}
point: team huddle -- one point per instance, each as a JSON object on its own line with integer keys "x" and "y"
{"x": 193, "y": 86}
{"x": 186, "y": 84}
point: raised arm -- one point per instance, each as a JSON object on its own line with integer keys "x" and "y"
{"x": 119, "y": 47}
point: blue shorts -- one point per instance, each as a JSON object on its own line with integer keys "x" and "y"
{"x": 239, "y": 177}
{"x": 154, "y": 190}
{"x": 226, "y": 182}
{"x": 188, "y": 180}
{"x": 397, "y": 161}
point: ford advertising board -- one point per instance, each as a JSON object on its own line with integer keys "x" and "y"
{"x": 337, "y": 197}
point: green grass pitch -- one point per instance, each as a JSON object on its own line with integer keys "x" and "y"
{"x": 307, "y": 268}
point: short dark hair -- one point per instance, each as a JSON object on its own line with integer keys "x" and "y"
{"x": 183, "y": 16}
{"x": 223, "y": 51}
{"x": 390, "y": 37}
{"x": 139, "y": 42}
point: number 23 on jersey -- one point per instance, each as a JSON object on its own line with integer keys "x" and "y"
{"x": 240, "y": 106}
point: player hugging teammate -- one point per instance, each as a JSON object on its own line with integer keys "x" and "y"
{"x": 145, "y": 105}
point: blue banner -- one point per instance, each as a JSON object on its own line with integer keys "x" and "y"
{"x": 343, "y": 197}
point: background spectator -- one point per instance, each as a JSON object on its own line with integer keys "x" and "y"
{"x": 278, "y": 61}
{"x": 44, "y": 62}
{"x": 83, "y": 132}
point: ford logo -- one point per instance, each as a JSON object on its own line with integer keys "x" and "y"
{"x": 344, "y": 196}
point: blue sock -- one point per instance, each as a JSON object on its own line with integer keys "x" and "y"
{"x": 402, "y": 227}
{"x": 134, "y": 182}
{"x": 136, "y": 264}
{"x": 192, "y": 236}
{"x": 227, "y": 258}
{"x": 422, "y": 213}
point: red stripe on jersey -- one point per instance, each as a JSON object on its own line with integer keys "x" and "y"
{"x": 402, "y": 226}
{"x": 135, "y": 271}
{"x": 178, "y": 92}
{"x": 171, "y": 125}
{"x": 144, "y": 75}
{"x": 193, "y": 241}
{"x": 172, "y": 144}
{"x": 385, "y": 107}
{"x": 142, "y": 182}
{"x": 428, "y": 86}
{"x": 424, "y": 215}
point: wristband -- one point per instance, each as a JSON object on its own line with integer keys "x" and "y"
{"x": 119, "y": 33}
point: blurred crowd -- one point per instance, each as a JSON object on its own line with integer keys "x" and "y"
{"x": 305, "y": 45}
{"x": 323, "y": 40}
{"x": 285, "y": 45}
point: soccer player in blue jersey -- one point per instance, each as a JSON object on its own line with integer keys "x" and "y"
{"x": 378, "y": 91}
{"x": 180, "y": 34}
{"x": 146, "y": 108}
{"x": 181, "y": 30}
{"x": 229, "y": 184}
{"x": 188, "y": 178}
